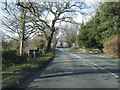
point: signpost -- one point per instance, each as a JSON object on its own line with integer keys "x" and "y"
{"x": 31, "y": 51}
{"x": 34, "y": 53}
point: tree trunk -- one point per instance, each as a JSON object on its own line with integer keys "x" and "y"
{"x": 48, "y": 45}
{"x": 55, "y": 44}
{"x": 21, "y": 47}
{"x": 22, "y": 39}
{"x": 49, "y": 40}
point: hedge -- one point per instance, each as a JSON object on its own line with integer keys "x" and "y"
{"x": 10, "y": 57}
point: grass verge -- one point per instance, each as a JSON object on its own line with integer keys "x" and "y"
{"x": 14, "y": 74}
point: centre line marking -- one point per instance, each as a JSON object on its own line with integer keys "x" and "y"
{"x": 61, "y": 50}
{"x": 84, "y": 60}
{"x": 113, "y": 74}
{"x": 76, "y": 56}
{"x": 94, "y": 67}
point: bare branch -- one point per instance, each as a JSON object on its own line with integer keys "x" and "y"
{"x": 9, "y": 36}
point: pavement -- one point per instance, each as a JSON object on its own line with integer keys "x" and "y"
{"x": 76, "y": 70}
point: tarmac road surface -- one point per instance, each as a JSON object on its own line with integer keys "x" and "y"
{"x": 76, "y": 70}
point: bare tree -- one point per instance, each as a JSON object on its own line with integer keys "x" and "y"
{"x": 16, "y": 23}
{"x": 69, "y": 34}
{"x": 39, "y": 41}
{"x": 60, "y": 11}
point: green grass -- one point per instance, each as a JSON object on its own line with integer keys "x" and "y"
{"x": 17, "y": 71}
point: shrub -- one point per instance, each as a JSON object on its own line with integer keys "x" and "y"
{"x": 10, "y": 57}
{"x": 112, "y": 46}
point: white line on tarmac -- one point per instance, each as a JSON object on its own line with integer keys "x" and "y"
{"x": 76, "y": 56}
{"x": 116, "y": 60}
{"x": 61, "y": 50}
{"x": 84, "y": 60}
{"x": 113, "y": 74}
{"x": 94, "y": 67}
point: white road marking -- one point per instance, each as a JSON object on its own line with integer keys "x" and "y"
{"x": 84, "y": 60}
{"x": 116, "y": 60}
{"x": 113, "y": 74}
{"x": 18, "y": 82}
{"x": 94, "y": 67}
{"x": 61, "y": 50}
{"x": 76, "y": 56}
{"x": 80, "y": 58}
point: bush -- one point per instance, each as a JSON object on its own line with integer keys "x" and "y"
{"x": 10, "y": 57}
{"x": 112, "y": 46}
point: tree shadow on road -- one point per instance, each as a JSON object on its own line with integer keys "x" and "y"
{"x": 64, "y": 73}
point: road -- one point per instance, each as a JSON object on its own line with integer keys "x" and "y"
{"x": 76, "y": 70}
